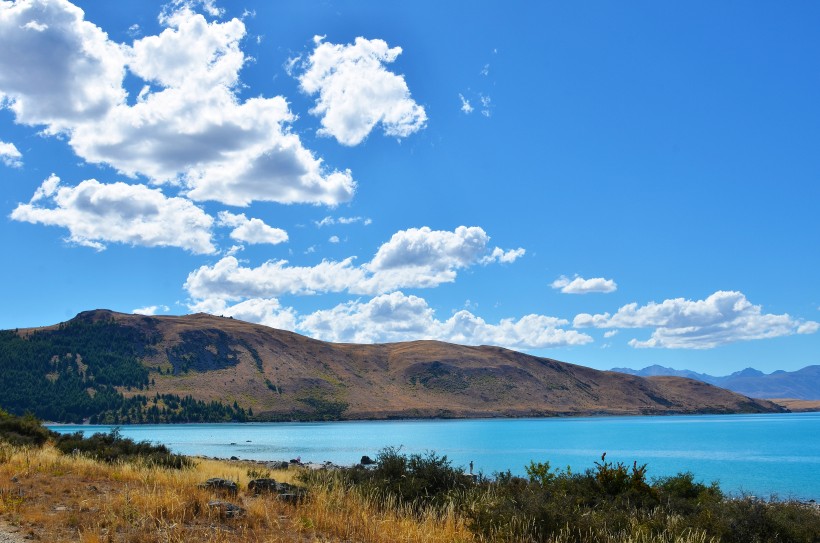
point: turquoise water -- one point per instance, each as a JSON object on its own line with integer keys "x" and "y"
{"x": 757, "y": 454}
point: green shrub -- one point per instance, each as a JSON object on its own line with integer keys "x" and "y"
{"x": 112, "y": 447}
{"x": 609, "y": 502}
{"x": 417, "y": 480}
{"x": 22, "y": 431}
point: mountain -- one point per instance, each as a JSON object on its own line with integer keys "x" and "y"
{"x": 802, "y": 384}
{"x": 117, "y": 368}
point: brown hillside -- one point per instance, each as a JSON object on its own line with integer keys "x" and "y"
{"x": 283, "y": 375}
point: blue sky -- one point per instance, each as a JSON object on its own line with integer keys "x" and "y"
{"x": 600, "y": 183}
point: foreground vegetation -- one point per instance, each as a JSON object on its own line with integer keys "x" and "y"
{"x": 110, "y": 489}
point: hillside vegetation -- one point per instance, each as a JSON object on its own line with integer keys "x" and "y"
{"x": 113, "y": 368}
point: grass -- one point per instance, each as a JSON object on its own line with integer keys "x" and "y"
{"x": 57, "y": 497}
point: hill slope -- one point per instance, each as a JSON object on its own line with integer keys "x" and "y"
{"x": 803, "y": 384}
{"x": 250, "y": 369}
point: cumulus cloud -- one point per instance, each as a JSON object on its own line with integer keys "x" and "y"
{"x": 413, "y": 258}
{"x": 251, "y": 230}
{"x": 9, "y": 155}
{"x": 229, "y": 280}
{"x": 187, "y": 125}
{"x": 151, "y": 310}
{"x": 334, "y": 239}
{"x": 267, "y": 311}
{"x": 56, "y": 69}
{"x": 722, "y": 318}
{"x": 95, "y": 213}
{"x": 579, "y": 285}
{"x": 356, "y": 92}
{"x": 399, "y": 317}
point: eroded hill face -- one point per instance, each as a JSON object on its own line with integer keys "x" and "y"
{"x": 281, "y": 375}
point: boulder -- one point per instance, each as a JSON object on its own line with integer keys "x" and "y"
{"x": 292, "y": 498}
{"x": 272, "y": 486}
{"x": 220, "y": 485}
{"x": 227, "y": 509}
{"x": 286, "y": 492}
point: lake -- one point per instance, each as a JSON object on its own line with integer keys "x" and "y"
{"x": 757, "y": 454}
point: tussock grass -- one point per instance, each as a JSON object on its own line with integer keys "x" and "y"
{"x": 58, "y": 497}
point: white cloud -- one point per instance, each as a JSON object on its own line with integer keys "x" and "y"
{"x": 434, "y": 249}
{"x": 334, "y": 239}
{"x": 465, "y": 105}
{"x": 187, "y": 125}
{"x": 229, "y": 280}
{"x": 505, "y": 257}
{"x": 579, "y": 285}
{"x": 328, "y": 221}
{"x": 208, "y": 6}
{"x": 486, "y": 105}
{"x": 151, "y": 310}
{"x": 399, "y": 317}
{"x": 610, "y": 333}
{"x": 258, "y": 310}
{"x": 356, "y": 92}
{"x": 95, "y": 213}
{"x": 55, "y": 68}
{"x": 9, "y": 155}
{"x": 413, "y": 258}
{"x": 251, "y": 230}
{"x": 808, "y": 327}
{"x": 724, "y": 317}
{"x": 235, "y": 249}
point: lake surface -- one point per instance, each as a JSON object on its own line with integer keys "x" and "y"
{"x": 757, "y": 454}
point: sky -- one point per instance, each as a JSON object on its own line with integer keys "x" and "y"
{"x": 607, "y": 184}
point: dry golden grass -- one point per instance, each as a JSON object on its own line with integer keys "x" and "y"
{"x": 53, "y": 497}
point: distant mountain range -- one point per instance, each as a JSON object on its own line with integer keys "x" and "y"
{"x": 116, "y": 368}
{"x": 802, "y": 384}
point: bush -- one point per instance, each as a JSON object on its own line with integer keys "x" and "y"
{"x": 609, "y": 502}
{"x": 23, "y": 431}
{"x": 112, "y": 447}
{"x": 419, "y": 481}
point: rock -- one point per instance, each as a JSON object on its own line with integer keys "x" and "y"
{"x": 234, "y": 458}
{"x": 292, "y": 498}
{"x": 279, "y": 464}
{"x": 286, "y": 492}
{"x": 227, "y": 509}
{"x": 258, "y": 486}
{"x": 222, "y": 485}
{"x": 367, "y": 461}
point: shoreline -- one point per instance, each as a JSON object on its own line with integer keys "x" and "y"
{"x": 575, "y": 416}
